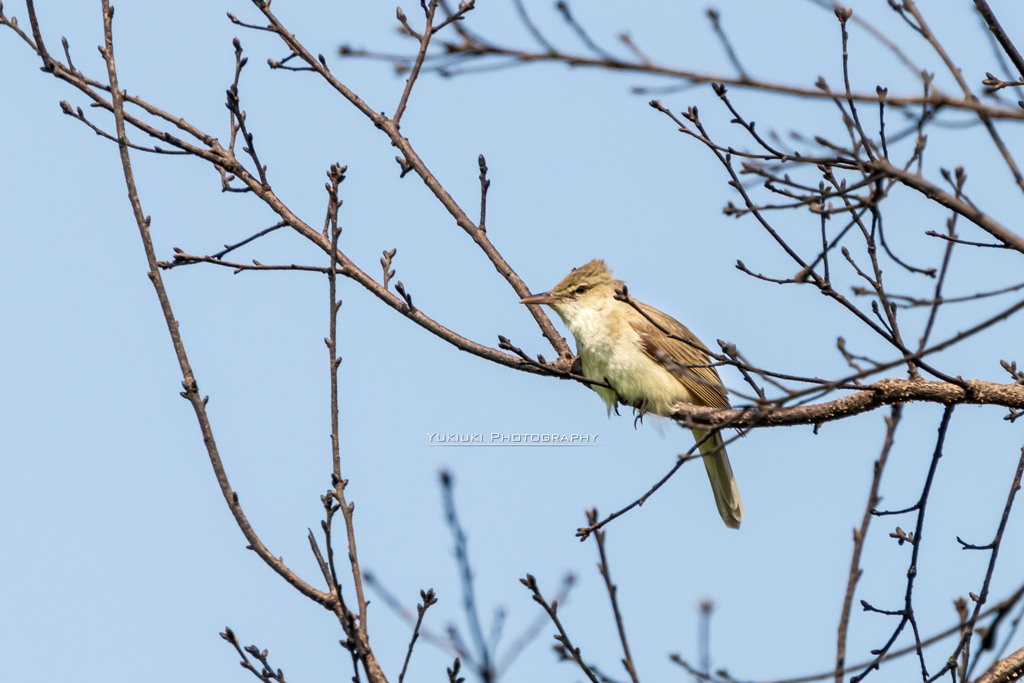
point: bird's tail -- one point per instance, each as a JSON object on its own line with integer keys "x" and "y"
{"x": 723, "y": 483}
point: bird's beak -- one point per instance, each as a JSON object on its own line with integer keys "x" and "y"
{"x": 542, "y": 298}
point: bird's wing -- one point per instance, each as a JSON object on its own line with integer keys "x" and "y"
{"x": 690, "y": 361}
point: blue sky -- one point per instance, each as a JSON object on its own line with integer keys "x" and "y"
{"x": 121, "y": 560}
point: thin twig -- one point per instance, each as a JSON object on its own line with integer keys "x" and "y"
{"x": 906, "y": 614}
{"x": 859, "y": 535}
{"x": 428, "y": 599}
{"x": 563, "y": 638}
{"x": 993, "y": 546}
{"x": 627, "y": 659}
{"x": 483, "y": 655}
{"x": 716, "y": 25}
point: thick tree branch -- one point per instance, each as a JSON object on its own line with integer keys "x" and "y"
{"x": 1005, "y": 670}
{"x": 965, "y": 209}
{"x": 881, "y": 393}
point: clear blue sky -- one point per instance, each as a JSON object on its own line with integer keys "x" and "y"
{"x": 121, "y": 561}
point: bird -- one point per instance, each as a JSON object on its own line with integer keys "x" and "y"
{"x": 649, "y": 360}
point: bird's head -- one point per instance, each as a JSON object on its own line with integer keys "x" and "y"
{"x": 591, "y": 286}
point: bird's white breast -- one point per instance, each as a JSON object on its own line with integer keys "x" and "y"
{"x": 611, "y": 350}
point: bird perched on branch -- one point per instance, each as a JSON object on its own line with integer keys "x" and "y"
{"x": 648, "y": 358}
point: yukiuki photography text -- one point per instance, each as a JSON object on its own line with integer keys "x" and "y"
{"x": 510, "y": 439}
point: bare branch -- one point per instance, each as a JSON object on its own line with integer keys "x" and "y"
{"x": 191, "y": 387}
{"x": 871, "y": 396}
{"x": 429, "y": 599}
{"x": 859, "y": 535}
{"x": 1000, "y": 35}
{"x": 562, "y": 637}
{"x": 265, "y": 673}
{"x": 627, "y": 660}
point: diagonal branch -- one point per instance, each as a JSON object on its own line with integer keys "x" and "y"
{"x": 968, "y": 211}
{"x": 411, "y": 160}
{"x": 997, "y": 30}
{"x": 191, "y": 392}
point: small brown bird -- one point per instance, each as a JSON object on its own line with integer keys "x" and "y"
{"x": 645, "y": 367}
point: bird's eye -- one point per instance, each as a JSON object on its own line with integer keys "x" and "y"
{"x": 582, "y": 289}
